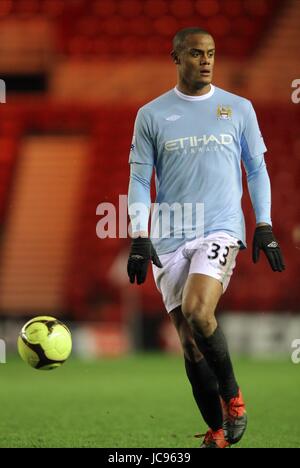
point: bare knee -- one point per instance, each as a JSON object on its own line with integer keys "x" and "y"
{"x": 199, "y": 315}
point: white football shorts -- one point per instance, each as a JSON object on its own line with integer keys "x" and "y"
{"x": 213, "y": 255}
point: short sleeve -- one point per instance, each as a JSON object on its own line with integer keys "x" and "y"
{"x": 252, "y": 142}
{"x": 142, "y": 147}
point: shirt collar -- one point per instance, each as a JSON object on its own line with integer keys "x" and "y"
{"x": 195, "y": 98}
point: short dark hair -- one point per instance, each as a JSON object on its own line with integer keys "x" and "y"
{"x": 179, "y": 38}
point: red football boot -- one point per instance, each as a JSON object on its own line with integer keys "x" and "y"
{"x": 214, "y": 439}
{"x": 235, "y": 418}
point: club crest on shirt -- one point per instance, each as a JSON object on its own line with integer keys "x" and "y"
{"x": 224, "y": 112}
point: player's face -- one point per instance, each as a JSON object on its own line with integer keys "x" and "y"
{"x": 196, "y": 61}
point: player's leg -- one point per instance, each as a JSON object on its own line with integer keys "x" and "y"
{"x": 203, "y": 382}
{"x": 170, "y": 281}
{"x": 200, "y": 298}
{"x": 208, "y": 279}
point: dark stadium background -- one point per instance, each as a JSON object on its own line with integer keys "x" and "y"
{"x": 76, "y": 71}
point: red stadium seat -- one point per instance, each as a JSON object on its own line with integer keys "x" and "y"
{"x": 129, "y": 8}
{"x": 208, "y": 7}
{"x": 155, "y": 8}
{"x": 181, "y": 8}
{"x": 104, "y": 8}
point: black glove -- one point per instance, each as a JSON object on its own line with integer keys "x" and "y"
{"x": 141, "y": 253}
{"x": 264, "y": 239}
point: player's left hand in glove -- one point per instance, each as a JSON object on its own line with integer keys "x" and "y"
{"x": 141, "y": 253}
{"x": 264, "y": 240}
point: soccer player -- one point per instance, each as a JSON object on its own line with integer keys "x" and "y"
{"x": 195, "y": 136}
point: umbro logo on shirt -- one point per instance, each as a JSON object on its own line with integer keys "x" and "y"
{"x": 173, "y": 117}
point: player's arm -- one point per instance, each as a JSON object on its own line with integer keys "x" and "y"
{"x": 260, "y": 193}
{"x": 139, "y": 202}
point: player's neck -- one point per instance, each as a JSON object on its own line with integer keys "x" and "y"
{"x": 184, "y": 89}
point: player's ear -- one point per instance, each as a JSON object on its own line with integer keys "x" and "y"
{"x": 175, "y": 57}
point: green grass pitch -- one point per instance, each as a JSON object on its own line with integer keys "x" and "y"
{"x": 138, "y": 401}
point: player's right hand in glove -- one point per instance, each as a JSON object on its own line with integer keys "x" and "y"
{"x": 141, "y": 253}
{"x": 264, "y": 240}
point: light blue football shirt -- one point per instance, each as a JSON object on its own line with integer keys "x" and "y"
{"x": 196, "y": 145}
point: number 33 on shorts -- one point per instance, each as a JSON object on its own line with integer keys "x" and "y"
{"x": 216, "y": 251}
